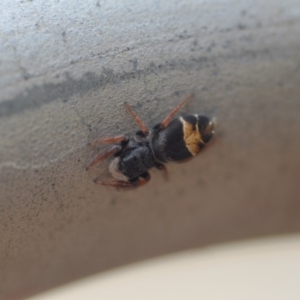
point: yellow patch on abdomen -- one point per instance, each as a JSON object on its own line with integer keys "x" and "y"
{"x": 191, "y": 136}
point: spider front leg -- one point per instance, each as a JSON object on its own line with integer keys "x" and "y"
{"x": 126, "y": 185}
{"x": 102, "y": 156}
{"x": 123, "y": 139}
{"x": 163, "y": 169}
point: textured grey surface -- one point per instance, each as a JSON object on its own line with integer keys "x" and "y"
{"x": 66, "y": 68}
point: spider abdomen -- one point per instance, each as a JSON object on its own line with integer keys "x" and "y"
{"x": 183, "y": 138}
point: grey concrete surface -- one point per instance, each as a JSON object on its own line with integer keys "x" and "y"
{"x": 66, "y": 68}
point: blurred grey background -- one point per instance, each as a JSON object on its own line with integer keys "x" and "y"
{"x": 67, "y": 67}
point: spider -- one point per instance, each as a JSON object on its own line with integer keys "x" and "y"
{"x": 177, "y": 139}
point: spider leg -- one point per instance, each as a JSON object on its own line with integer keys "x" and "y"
{"x": 137, "y": 119}
{"x": 168, "y": 118}
{"x": 115, "y": 183}
{"x": 104, "y": 155}
{"x": 112, "y": 140}
{"x": 126, "y": 185}
{"x": 140, "y": 136}
{"x": 163, "y": 169}
{"x": 142, "y": 179}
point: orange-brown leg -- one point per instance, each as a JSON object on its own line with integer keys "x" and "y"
{"x": 112, "y": 140}
{"x": 115, "y": 183}
{"x": 103, "y": 156}
{"x": 137, "y": 119}
{"x": 169, "y": 117}
{"x": 126, "y": 185}
{"x": 143, "y": 179}
{"x": 163, "y": 169}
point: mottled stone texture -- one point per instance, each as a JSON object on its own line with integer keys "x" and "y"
{"x": 67, "y": 67}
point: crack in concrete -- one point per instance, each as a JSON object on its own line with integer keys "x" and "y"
{"x": 37, "y": 96}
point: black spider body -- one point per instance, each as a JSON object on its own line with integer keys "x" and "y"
{"x": 172, "y": 140}
{"x": 183, "y": 138}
